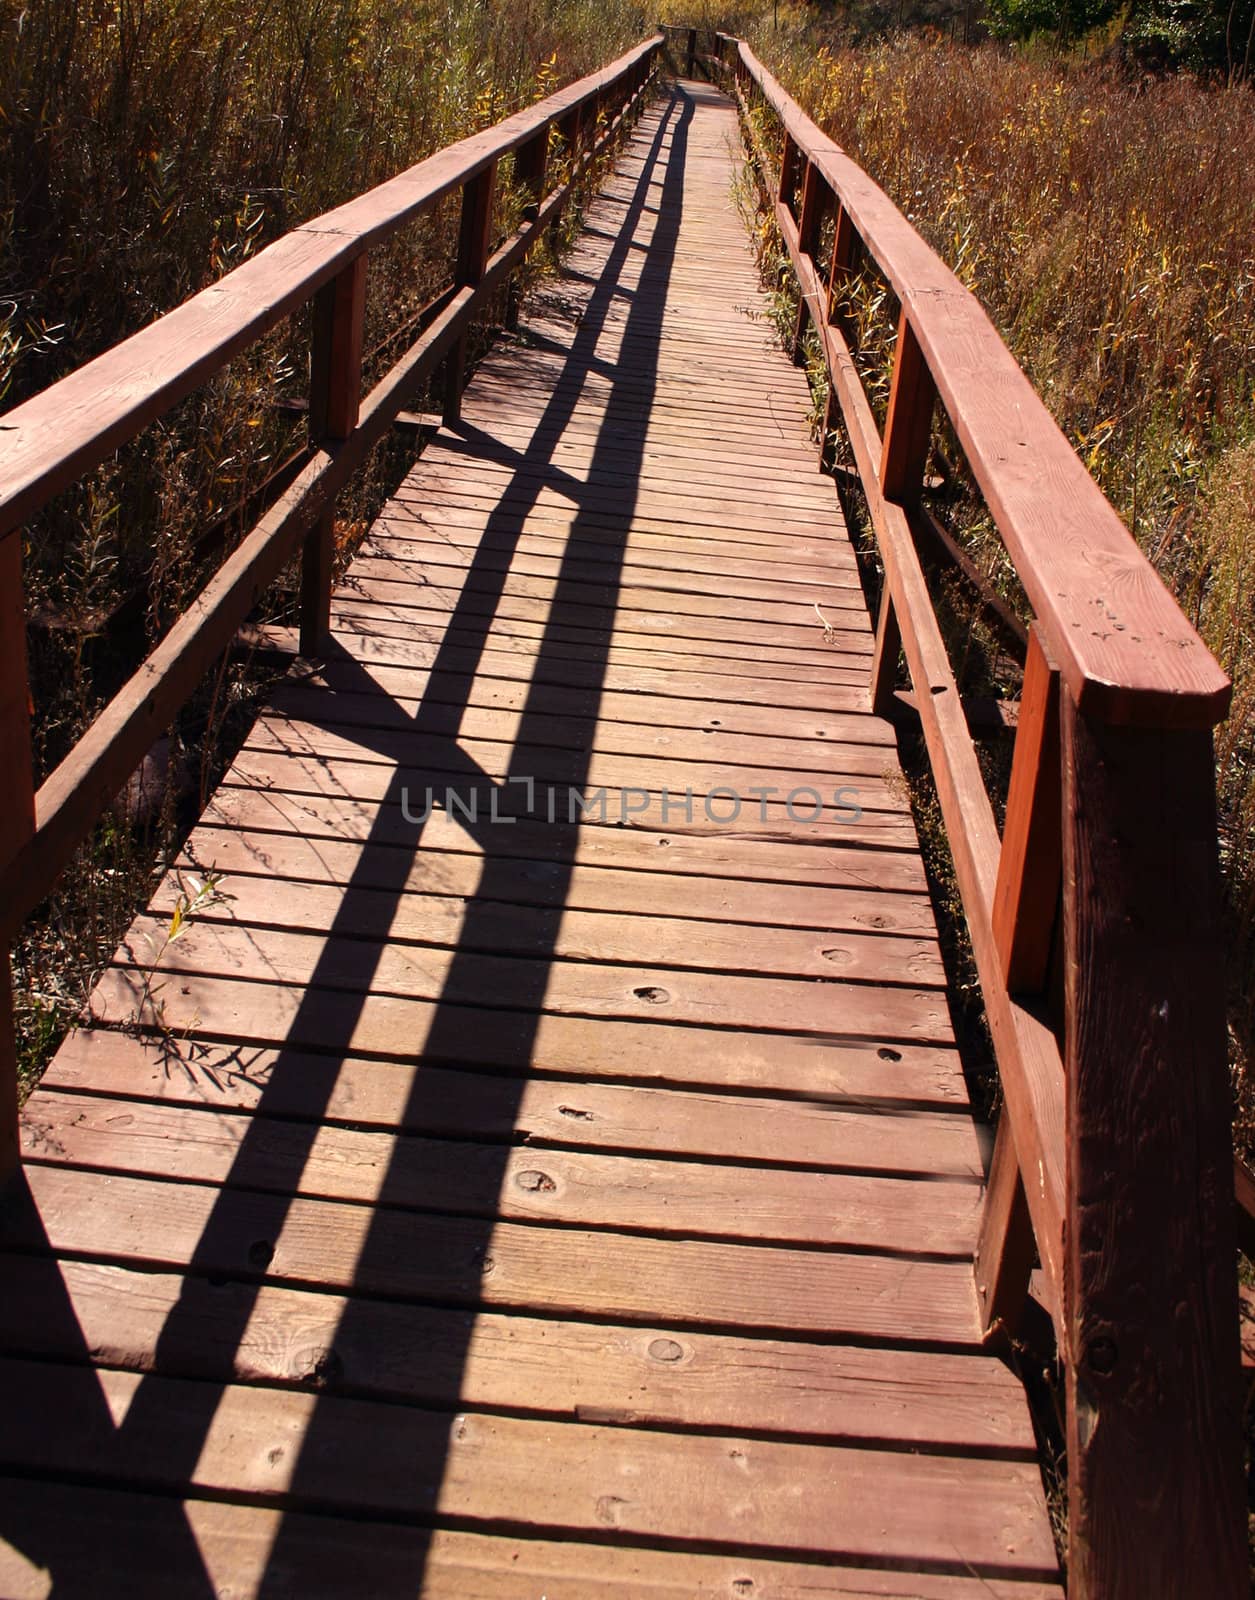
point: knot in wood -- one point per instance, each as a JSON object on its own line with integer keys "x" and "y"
{"x": 666, "y": 1350}
{"x": 1101, "y": 1356}
{"x": 535, "y": 1182}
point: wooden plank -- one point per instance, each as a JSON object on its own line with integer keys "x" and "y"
{"x": 763, "y": 855}
{"x": 582, "y": 988}
{"x": 644, "y": 932}
{"x": 342, "y": 1559}
{"x": 662, "y": 1196}
{"x": 651, "y": 888}
{"x": 884, "y": 1066}
{"x": 689, "y": 593}
{"x": 856, "y": 810}
{"x": 623, "y": 1277}
{"x": 419, "y": 1097}
{"x": 641, "y": 628}
{"x": 412, "y": 552}
{"x": 589, "y": 1372}
{"x": 769, "y": 1496}
{"x": 318, "y": 720}
{"x": 371, "y": 684}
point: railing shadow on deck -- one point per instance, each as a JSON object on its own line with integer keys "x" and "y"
{"x": 338, "y": 987}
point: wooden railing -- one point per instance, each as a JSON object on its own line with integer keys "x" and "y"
{"x": 50, "y": 441}
{"x": 1094, "y": 916}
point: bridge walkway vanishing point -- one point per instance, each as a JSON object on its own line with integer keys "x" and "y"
{"x": 508, "y": 1207}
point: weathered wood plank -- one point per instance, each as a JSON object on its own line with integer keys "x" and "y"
{"x": 364, "y": 1456}
{"x": 420, "y": 1097}
{"x": 622, "y": 1277}
{"x": 571, "y": 1187}
{"x": 340, "y": 1559}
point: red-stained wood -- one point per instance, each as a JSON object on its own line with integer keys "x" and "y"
{"x": 1026, "y": 897}
{"x": 531, "y": 164}
{"x": 767, "y": 1495}
{"x": 1005, "y": 1249}
{"x": 51, "y": 440}
{"x": 1124, "y": 647}
{"x": 17, "y": 810}
{"x": 468, "y": 269}
{"x": 1028, "y": 1053}
{"x": 1150, "y": 1309}
{"x": 888, "y": 653}
{"x": 341, "y": 1558}
{"x": 603, "y": 1183}
{"x": 908, "y": 426}
{"x": 809, "y": 218}
{"x": 74, "y": 795}
{"x": 334, "y": 404}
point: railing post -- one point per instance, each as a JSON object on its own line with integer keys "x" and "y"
{"x": 17, "y": 810}
{"x": 335, "y": 392}
{"x": 788, "y": 173}
{"x": 469, "y": 269}
{"x": 1030, "y": 867}
{"x": 690, "y": 59}
{"x": 844, "y": 249}
{"x": 530, "y": 167}
{"x": 1149, "y": 1306}
{"x": 908, "y": 426}
{"x": 885, "y": 655}
{"x": 908, "y": 429}
{"x": 810, "y": 215}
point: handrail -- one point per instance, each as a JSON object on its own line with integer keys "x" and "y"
{"x": 54, "y": 438}
{"x": 1094, "y": 915}
{"x": 51, "y": 440}
{"x": 1126, "y": 650}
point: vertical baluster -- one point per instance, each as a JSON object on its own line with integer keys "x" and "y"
{"x": 17, "y": 809}
{"x": 690, "y": 58}
{"x": 472, "y": 258}
{"x": 335, "y": 393}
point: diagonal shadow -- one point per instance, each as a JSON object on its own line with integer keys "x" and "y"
{"x": 242, "y": 1228}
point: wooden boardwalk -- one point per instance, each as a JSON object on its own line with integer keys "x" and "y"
{"x": 539, "y": 1204}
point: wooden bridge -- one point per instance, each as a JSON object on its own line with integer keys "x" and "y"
{"x": 550, "y": 1171}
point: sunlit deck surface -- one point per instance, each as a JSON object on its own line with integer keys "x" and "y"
{"x": 513, "y": 1207}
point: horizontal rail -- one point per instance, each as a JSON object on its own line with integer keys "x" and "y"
{"x": 51, "y": 440}
{"x": 1127, "y": 652}
{"x": 1094, "y": 917}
